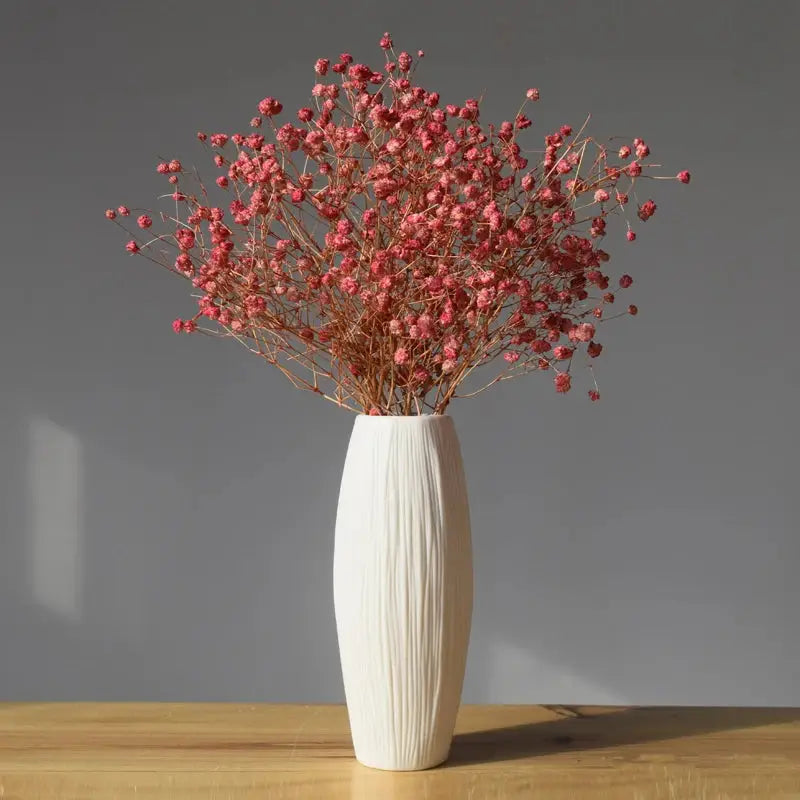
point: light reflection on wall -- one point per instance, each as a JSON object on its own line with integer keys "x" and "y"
{"x": 514, "y": 666}
{"x": 55, "y": 514}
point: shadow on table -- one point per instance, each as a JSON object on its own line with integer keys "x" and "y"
{"x": 576, "y": 731}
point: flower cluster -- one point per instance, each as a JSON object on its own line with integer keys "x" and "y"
{"x": 380, "y": 246}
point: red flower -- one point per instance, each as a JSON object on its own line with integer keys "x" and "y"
{"x": 646, "y": 210}
{"x": 563, "y": 382}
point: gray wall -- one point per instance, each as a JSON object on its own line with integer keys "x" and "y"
{"x": 167, "y": 502}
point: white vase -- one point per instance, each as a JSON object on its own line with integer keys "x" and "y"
{"x": 402, "y": 578}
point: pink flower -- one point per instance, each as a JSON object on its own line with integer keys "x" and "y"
{"x": 624, "y": 151}
{"x": 563, "y": 382}
{"x": 594, "y": 395}
{"x": 144, "y": 221}
{"x": 522, "y": 122}
{"x": 201, "y": 136}
{"x": 642, "y": 150}
{"x": 132, "y": 247}
{"x": 634, "y": 169}
{"x": 177, "y": 325}
{"x": 540, "y": 346}
{"x": 630, "y": 236}
{"x": 646, "y": 210}
{"x": 511, "y": 357}
{"x": 123, "y": 211}
{"x": 110, "y": 213}
{"x": 384, "y": 187}
{"x": 584, "y": 332}
{"x": 386, "y": 41}
{"x": 600, "y": 196}
{"x": 401, "y": 355}
{"x": 269, "y": 107}
{"x": 394, "y": 146}
{"x": 448, "y": 365}
{"x": 255, "y": 122}
{"x": 219, "y": 139}
{"x": 625, "y": 281}
{"x": 562, "y": 353}
{"x": 349, "y": 285}
{"x": 305, "y": 114}
{"x": 684, "y": 177}
{"x": 633, "y": 310}
{"x": 532, "y": 94}
{"x": 162, "y": 168}
{"x": 484, "y": 299}
{"x": 321, "y": 66}
{"x": 184, "y": 262}
{"x": 425, "y": 326}
{"x": 222, "y": 181}
{"x": 451, "y": 348}
{"x": 185, "y": 238}
{"x": 175, "y": 165}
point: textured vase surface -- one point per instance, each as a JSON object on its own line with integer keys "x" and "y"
{"x": 402, "y": 576}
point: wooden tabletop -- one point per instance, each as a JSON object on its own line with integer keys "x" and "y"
{"x": 61, "y": 751}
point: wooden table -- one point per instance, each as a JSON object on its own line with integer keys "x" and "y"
{"x": 62, "y": 751}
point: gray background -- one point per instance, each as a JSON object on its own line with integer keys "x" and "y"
{"x": 167, "y": 502}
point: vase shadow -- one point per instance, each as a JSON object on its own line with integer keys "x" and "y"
{"x": 576, "y": 731}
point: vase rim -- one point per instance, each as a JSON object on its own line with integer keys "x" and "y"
{"x": 402, "y": 417}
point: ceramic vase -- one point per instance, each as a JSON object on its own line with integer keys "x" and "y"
{"x": 403, "y": 586}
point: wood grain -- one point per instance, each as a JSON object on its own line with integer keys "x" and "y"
{"x": 66, "y": 751}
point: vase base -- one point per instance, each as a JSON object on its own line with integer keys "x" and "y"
{"x": 393, "y": 766}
